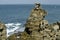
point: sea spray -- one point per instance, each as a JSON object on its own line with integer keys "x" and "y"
{"x": 13, "y": 27}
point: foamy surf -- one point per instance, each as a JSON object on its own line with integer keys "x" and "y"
{"x": 13, "y": 27}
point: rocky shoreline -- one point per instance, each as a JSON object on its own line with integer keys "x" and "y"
{"x": 37, "y": 28}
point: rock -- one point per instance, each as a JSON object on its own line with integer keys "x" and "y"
{"x": 3, "y": 32}
{"x": 37, "y": 28}
{"x": 35, "y": 22}
{"x": 56, "y": 27}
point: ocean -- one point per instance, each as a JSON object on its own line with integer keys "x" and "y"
{"x": 15, "y": 16}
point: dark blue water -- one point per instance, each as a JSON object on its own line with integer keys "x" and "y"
{"x": 20, "y": 13}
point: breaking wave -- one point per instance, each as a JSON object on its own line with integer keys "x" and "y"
{"x": 14, "y": 27}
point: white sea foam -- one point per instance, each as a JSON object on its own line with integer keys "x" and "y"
{"x": 13, "y": 27}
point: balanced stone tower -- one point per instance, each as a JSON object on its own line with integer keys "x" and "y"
{"x": 36, "y": 19}
{"x": 2, "y": 32}
{"x": 35, "y": 24}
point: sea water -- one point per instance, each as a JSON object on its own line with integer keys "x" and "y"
{"x": 15, "y": 16}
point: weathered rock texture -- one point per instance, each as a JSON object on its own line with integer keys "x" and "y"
{"x": 3, "y": 32}
{"x": 37, "y": 28}
{"x": 35, "y": 24}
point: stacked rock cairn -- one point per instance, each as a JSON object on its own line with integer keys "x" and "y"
{"x": 37, "y": 28}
